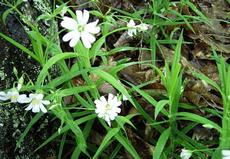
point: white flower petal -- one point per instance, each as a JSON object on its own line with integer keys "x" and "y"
{"x": 109, "y": 123}
{"x": 40, "y": 96}
{"x": 112, "y": 117}
{"x": 98, "y": 102}
{"x": 85, "y": 17}
{"x": 131, "y": 24}
{"x": 36, "y": 108}
{"x": 110, "y": 97}
{"x": 73, "y": 42}
{"x": 31, "y": 95}
{"x": 70, "y": 35}
{"x": 132, "y": 28}
{"x": 142, "y": 27}
{"x": 100, "y": 115}
{"x": 108, "y": 120}
{"x": 3, "y": 96}
{"x": 79, "y": 17}
{"x": 92, "y": 28}
{"x": 69, "y": 23}
{"x": 29, "y": 107}
{"x": 118, "y": 110}
{"x": 87, "y": 38}
{"x": 13, "y": 95}
{"x": 226, "y": 153}
{"x": 91, "y": 38}
{"x": 115, "y": 103}
{"x": 132, "y": 32}
{"x": 97, "y": 111}
{"x": 23, "y": 99}
{"x": 185, "y": 154}
{"x": 43, "y": 109}
{"x": 102, "y": 98}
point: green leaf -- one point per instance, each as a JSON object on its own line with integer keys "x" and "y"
{"x": 147, "y": 97}
{"x": 23, "y": 48}
{"x": 61, "y": 146}
{"x": 123, "y": 49}
{"x": 121, "y": 120}
{"x": 106, "y": 141}
{"x": 66, "y": 77}
{"x": 127, "y": 145}
{"x": 74, "y": 90}
{"x": 113, "y": 81}
{"x": 65, "y": 129}
{"x": 50, "y": 63}
{"x": 86, "y": 132}
{"x": 32, "y": 122}
{"x": 198, "y": 119}
{"x": 161, "y": 144}
{"x": 78, "y": 134}
{"x": 208, "y": 80}
{"x": 98, "y": 44}
{"x": 159, "y": 106}
{"x": 6, "y": 13}
{"x": 197, "y": 11}
{"x": 191, "y": 144}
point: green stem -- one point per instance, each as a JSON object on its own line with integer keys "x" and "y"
{"x": 225, "y": 135}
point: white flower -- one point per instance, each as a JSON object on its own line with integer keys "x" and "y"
{"x": 225, "y": 154}
{"x": 12, "y": 95}
{"x": 80, "y": 29}
{"x": 185, "y": 154}
{"x": 108, "y": 110}
{"x": 36, "y": 102}
{"x": 132, "y": 28}
{"x": 142, "y": 27}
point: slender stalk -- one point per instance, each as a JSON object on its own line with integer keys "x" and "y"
{"x": 225, "y": 135}
{"x": 224, "y": 76}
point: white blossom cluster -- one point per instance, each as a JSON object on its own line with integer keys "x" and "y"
{"x": 78, "y": 29}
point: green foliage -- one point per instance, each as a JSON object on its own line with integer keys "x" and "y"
{"x": 77, "y": 116}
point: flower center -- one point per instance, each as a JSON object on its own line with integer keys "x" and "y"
{"x": 108, "y": 108}
{"x": 80, "y": 28}
{"x": 13, "y": 97}
{"x": 35, "y": 101}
